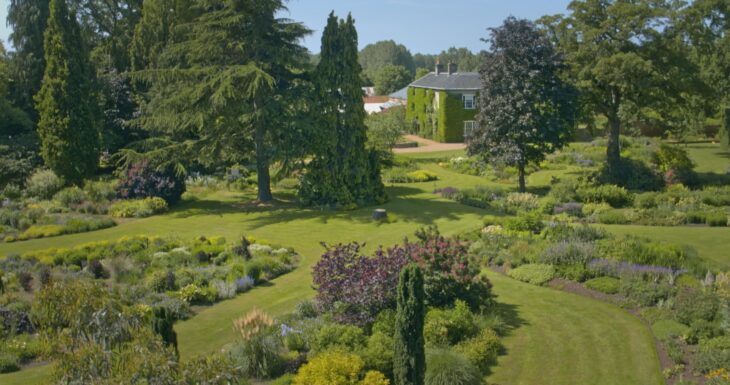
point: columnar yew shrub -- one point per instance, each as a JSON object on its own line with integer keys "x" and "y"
{"x": 68, "y": 125}
{"x": 409, "y": 358}
{"x": 343, "y": 172}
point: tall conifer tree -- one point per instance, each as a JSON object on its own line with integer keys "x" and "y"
{"x": 343, "y": 172}
{"x": 28, "y": 20}
{"x": 66, "y": 103}
{"x": 223, "y": 87}
{"x": 409, "y": 360}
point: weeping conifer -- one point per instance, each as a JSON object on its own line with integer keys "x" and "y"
{"x": 409, "y": 359}
{"x": 342, "y": 172}
{"x": 66, "y": 103}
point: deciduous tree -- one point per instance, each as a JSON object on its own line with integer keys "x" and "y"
{"x": 611, "y": 46}
{"x": 526, "y": 110}
{"x": 374, "y": 57}
{"x": 391, "y": 78}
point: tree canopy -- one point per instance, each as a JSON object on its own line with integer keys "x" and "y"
{"x": 391, "y": 78}
{"x": 620, "y": 61}
{"x": 221, "y": 86}
{"x": 526, "y": 110}
{"x": 374, "y": 57}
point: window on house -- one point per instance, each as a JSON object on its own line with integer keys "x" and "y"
{"x": 469, "y": 101}
{"x": 469, "y": 126}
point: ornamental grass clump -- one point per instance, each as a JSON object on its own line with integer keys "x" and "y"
{"x": 253, "y": 324}
{"x": 258, "y": 352}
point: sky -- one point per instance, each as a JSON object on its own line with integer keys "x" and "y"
{"x": 424, "y": 26}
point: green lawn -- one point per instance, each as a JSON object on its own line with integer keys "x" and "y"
{"x": 563, "y": 338}
{"x": 709, "y": 158}
{"x": 711, "y": 243}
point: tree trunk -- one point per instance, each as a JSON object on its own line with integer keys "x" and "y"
{"x": 521, "y": 169}
{"x": 262, "y": 165}
{"x": 613, "y": 150}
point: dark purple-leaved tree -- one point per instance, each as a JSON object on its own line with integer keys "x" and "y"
{"x": 526, "y": 110}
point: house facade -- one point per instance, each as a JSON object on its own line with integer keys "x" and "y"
{"x": 443, "y": 104}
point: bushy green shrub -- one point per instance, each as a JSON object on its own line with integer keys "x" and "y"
{"x": 449, "y": 326}
{"x": 675, "y": 165}
{"x": 286, "y": 379}
{"x": 41, "y": 231}
{"x": 9, "y": 362}
{"x": 633, "y": 174}
{"x": 534, "y": 273}
{"x": 613, "y": 217}
{"x": 402, "y": 175}
{"x": 43, "y": 184}
{"x": 713, "y": 354}
{"x": 644, "y": 293}
{"x": 70, "y": 196}
{"x": 568, "y": 253}
{"x": 565, "y": 232}
{"x": 85, "y": 224}
{"x": 531, "y": 221}
{"x": 378, "y": 354}
{"x": 480, "y": 196}
{"x": 574, "y": 272}
{"x": 100, "y": 191}
{"x": 481, "y": 350}
{"x": 645, "y": 252}
{"x": 332, "y": 336}
{"x": 611, "y": 194}
{"x": 444, "y": 367}
{"x": 516, "y": 202}
{"x": 138, "y": 208}
{"x": 564, "y": 190}
{"x": 695, "y": 304}
{"x": 716, "y": 219}
{"x": 608, "y": 285}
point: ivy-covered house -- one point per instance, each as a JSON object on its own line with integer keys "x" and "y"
{"x": 442, "y": 105}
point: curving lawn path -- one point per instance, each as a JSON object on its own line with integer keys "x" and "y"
{"x": 562, "y": 339}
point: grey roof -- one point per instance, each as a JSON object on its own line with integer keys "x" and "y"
{"x": 400, "y": 94}
{"x": 455, "y": 81}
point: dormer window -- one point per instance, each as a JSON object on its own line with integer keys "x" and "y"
{"x": 469, "y": 101}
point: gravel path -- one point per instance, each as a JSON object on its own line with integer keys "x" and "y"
{"x": 427, "y": 145}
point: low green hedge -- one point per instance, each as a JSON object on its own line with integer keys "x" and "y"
{"x": 402, "y": 175}
{"x": 534, "y": 273}
{"x": 138, "y": 208}
{"x": 608, "y": 285}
